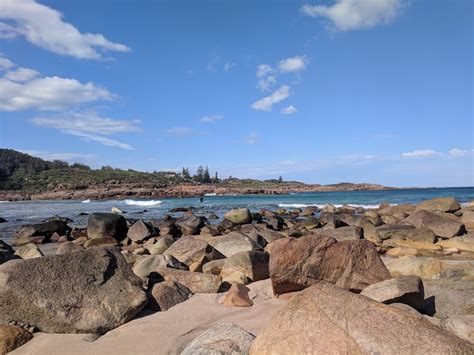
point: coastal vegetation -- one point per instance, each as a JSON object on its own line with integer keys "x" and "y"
{"x": 22, "y": 175}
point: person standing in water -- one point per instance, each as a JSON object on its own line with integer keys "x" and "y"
{"x": 201, "y": 199}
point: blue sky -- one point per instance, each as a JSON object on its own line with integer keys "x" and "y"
{"x": 318, "y": 91}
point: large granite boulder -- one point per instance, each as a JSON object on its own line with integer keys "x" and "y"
{"x": 90, "y": 291}
{"x": 253, "y": 264}
{"x": 443, "y": 204}
{"x": 40, "y": 232}
{"x": 441, "y": 225}
{"x": 299, "y": 263}
{"x": 226, "y": 338}
{"x": 150, "y": 263}
{"x": 402, "y": 289}
{"x": 239, "y": 216}
{"x": 325, "y": 319}
{"x": 193, "y": 252}
{"x": 107, "y": 225}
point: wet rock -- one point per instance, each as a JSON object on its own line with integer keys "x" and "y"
{"x": 29, "y": 251}
{"x": 239, "y": 216}
{"x": 237, "y": 296}
{"x": 325, "y": 319}
{"x": 72, "y": 293}
{"x": 3, "y": 220}
{"x": 403, "y": 289}
{"x": 441, "y": 225}
{"x": 224, "y": 338}
{"x": 12, "y": 337}
{"x": 298, "y": 263}
{"x": 167, "y": 294}
{"x": 107, "y": 225}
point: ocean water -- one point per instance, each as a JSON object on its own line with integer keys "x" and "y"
{"x": 24, "y": 212}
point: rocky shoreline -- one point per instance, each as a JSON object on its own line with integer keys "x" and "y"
{"x": 121, "y": 191}
{"x": 396, "y": 279}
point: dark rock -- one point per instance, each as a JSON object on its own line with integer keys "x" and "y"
{"x": 107, "y": 225}
{"x": 6, "y": 252}
{"x": 190, "y": 224}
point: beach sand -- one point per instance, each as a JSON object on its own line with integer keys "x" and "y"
{"x": 164, "y": 332}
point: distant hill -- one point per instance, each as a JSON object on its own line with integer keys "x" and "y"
{"x": 23, "y": 176}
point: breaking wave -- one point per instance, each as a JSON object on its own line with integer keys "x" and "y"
{"x": 87, "y": 201}
{"x": 142, "y": 203}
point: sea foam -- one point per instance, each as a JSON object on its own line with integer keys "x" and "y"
{"x": 142, "y": 203}
{"x": 87, "y": 201}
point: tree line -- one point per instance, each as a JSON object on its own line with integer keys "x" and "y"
{"x": 202, "y": 175}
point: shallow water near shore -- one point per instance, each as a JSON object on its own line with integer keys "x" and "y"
{"x": 24, "y": 212}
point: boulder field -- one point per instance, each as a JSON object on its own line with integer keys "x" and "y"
{"x": 397, "y": 279}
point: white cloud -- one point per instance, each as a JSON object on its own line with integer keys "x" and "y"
{"x": 211, "y": 118}
{"x": 421, "y": 153}
{"x": 251, "y": 138}
{"x": 44, "y": 27}
{"x": 88, "y": 137}
{"x": 263, "y": 70}
{"x": 289, "y": 110}
{"x": 89, "y": 126}
{"x": 292, "y": 65}
{"x": 267, "y": 102}
{"x": 229, "y": 65}
{"x": 356, "y": 14}
{"x": 267, "y": 77}
{"x": 5, "y": 63}
{"x": 456, "y": 152}
{"x": 69, "y": 157}
{"x": 183, "y": 131}
{"x": 48, "y": 93}
{"x": 21, "y": 74}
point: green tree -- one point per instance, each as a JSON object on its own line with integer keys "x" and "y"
{"x": 280, "y": 180}
{"x": 206, "y": 177}
{"x": 199, "y": 174}
{"x": 185, "y": 173}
